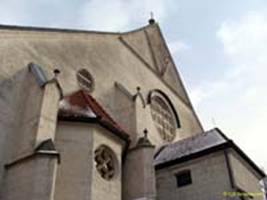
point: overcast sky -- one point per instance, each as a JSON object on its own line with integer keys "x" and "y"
{"x": 220, "y": 49}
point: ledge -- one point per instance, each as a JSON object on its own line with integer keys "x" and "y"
{"x": 49, "y": 153}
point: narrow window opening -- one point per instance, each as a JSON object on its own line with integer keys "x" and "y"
{"x": 85, "y": 80}
{"x": 183, "y": 178}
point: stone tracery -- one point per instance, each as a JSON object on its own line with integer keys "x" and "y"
{"x": 163, "y": 118}
{"x": 105, "y": 162}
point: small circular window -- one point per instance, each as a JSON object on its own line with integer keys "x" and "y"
{"x": 163, "y": 118}
{"x": 85, "y": 80}
{"x": 106, "y": 162}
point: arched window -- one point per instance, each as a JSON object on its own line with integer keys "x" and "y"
{"x": 163, "y": 115}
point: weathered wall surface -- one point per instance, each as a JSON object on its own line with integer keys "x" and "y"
{"x": 164, "y": 63}
{"x": 74, "y": 143}
{"x": 209, "y": 179}
{"x": 125, "y": 110}
{"x": 139, "y": 174}
{"x": 30, "y": 180}
{"x": 77, "y": 177}
{"x": 101, "y": 188}
{"x": 106, "y": 57}
{"x": 20, "y": 102}
{"x": 244, "y": 176}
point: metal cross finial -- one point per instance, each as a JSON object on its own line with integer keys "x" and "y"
{"x": 151, "y": 15}
{"x": 151, "y": 20}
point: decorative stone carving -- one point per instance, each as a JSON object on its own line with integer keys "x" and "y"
{"x": 106, "y": 162}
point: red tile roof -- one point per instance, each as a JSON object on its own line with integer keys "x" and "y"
{"x": 81, "y": 106}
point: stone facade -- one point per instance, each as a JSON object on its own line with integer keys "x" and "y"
{"x": 242, "y": 172}
{"x": 108, "y": 58}
{"x": 74, "y": 174}
{"x": 62, "y": 141}
{"x": 210, "y": 179}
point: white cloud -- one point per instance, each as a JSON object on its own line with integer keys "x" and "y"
{"x": 245, "y": 38}
{"x": 238, "y": 100}
{"x": 178, "y": 46}
{"x": 38, "y": 13}
{"x": 117, "y": 15}
{"x": 11, "y": 12}
{"x": 111, "y": 15}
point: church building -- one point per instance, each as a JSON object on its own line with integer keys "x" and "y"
{"x": 89, "y": 115}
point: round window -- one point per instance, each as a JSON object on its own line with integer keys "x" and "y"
{"x": 163, "y": 118}
{"x": 85, "y": 80}
{"x": 106, "y": 162}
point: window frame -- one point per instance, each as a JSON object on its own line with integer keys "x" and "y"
{"x": 85, "y": 80}
{"x": 166, "y": 127}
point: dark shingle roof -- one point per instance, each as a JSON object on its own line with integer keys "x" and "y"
{"x": 190, "y": 146}
{"x": 197, "y": 146}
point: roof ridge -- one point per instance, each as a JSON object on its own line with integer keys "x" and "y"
{"x": 194, "y": 136}
{"x": 68, "y": 30}
{"x": 222, "y": 134}
{"x": 84, "y": 100}
{"x": 85, "y": 95}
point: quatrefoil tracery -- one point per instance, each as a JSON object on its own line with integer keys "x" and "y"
{"x": 105, "y": 162}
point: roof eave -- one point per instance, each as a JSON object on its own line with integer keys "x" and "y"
{"x": 223, "y": 146}
{"x": 192, "y": 156}
{"x": 97, "y": 120}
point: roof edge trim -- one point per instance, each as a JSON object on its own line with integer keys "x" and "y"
{"x": 104, "y": 124}
{"x": 180, "y": 78}
{"x": 227, "y": 145}
{"x": 67, "y": 30}
{"x": 192, "y": 156}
